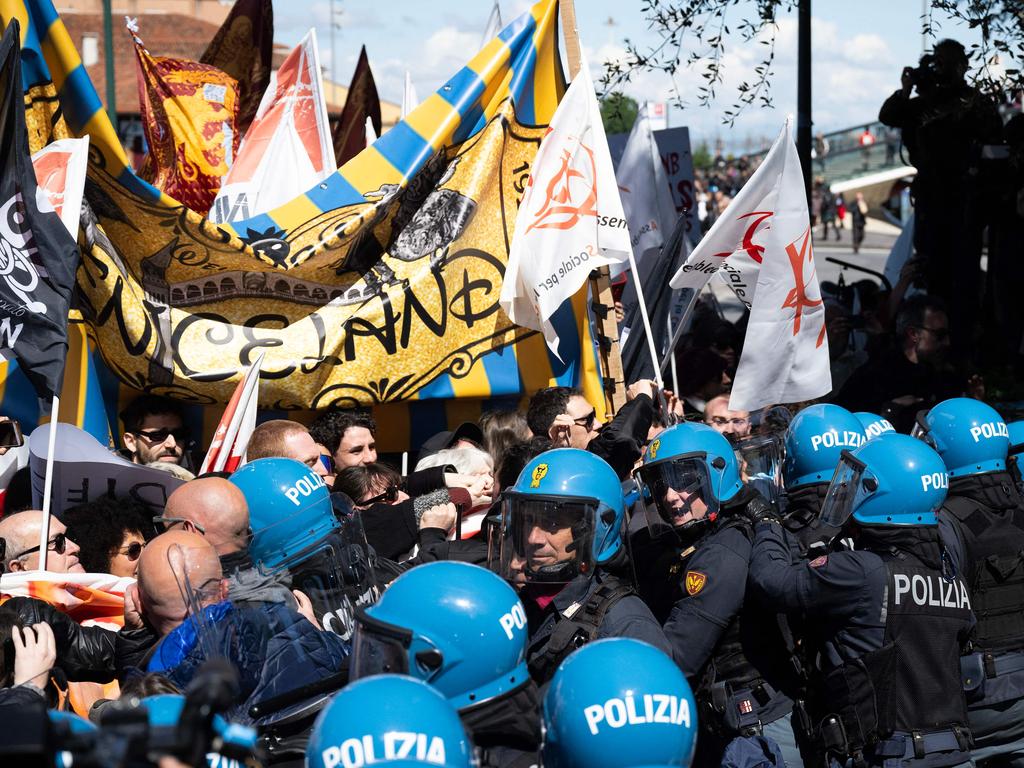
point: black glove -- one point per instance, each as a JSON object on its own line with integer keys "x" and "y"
{"x": 760, "y": 510}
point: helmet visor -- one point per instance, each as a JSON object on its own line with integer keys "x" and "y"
{"x": 378, "y": 648}
{"x": 846, "y": 491}
{"x": 679, "y": 489}
{"x": 760, "y": 460}
{"x": 921, "y": 430}
{"x": 546, "y": 539}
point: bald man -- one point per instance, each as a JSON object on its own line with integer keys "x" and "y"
{"x": 165, "y": 564}
{"x": 281, "y": 438}
{"x": 213, "y": 507}
{"x": 274, "y": 648}
{"x": 21, "y": 532}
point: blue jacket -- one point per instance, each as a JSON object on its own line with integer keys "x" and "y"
{"x": 274, "y": 648}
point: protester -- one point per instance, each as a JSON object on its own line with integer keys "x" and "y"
{"x": 112, "y": 533}
{"x": 899, "y": 382}
{"x": 702, "y": 376}
{"x": 285, "y": 439}
{"x": 21, "y": 532}
{"x": 502, "y": 429}
{"x": 215, "y": 509}
{"x": 733, "y": 424}
{"x": 154, "y": 430}
{"x": 348, "y": 436}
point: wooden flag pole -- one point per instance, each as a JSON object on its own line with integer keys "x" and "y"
{"x": 602, "y": 301}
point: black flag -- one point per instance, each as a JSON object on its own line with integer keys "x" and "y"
{"x": 655, "y": 272}
{"x": 38, "y": 257}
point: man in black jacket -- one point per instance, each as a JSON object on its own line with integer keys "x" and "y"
{"x": 565, "y": 416}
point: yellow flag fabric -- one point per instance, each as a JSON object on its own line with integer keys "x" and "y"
{"x": 378, "y": 286}
{"x": 189, "y": 113}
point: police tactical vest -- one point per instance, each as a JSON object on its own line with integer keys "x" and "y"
{"x": 912, "y": 682}
{"x": 731, "y": 686}
{"x": 579, "y": 628}
{"x": 994, "y": 540}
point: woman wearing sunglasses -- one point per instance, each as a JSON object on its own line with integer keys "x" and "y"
{"x": 112, "y": 534}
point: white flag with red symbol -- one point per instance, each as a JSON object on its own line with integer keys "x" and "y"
{"x": 762, "y": 244}
{"x": 288, "y": 148}
{"x": 570, "y": 220}
{"x": 227, "y": 451}
{"x": 60, "y": 175}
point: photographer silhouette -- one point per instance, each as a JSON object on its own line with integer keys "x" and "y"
{"x": 944, "y": 127}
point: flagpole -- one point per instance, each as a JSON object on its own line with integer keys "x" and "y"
{"x": 678, "y": 333}
{"x": 44, "y": 529}
{"x": 645, "y": 318}
{"x": 672, "y": 358}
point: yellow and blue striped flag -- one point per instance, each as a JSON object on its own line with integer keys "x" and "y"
{"x": 378, "y": 287}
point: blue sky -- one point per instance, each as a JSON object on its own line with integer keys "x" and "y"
{"x": 859, "y": 49}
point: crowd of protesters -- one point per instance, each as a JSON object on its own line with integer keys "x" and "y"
{"x": 454, "y": 614}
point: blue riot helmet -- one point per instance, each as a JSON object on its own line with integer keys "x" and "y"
{"x": 897, "y": 480}
{"x": 389, "y": 720}
{"x": 688, "y": 472}
{"x": 299, "y": 526}
{"x": 970, "y": 436}
{"x": 457, "y": 626}
{"x": 289, "y": 509}
{"x": 815, "y": 439}
{"x": 873, "y": 424}
{"x": 619, "y": 703}
{"x": 563, "y": 517}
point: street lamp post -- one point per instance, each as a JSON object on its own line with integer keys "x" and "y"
{"x": 108, "y": 62}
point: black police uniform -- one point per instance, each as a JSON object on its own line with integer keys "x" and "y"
{"x": 587, "y": 608}
{"x": 730, "y": 648}
{"x": 982, "y": 523}
{"x": 888, "y": 626}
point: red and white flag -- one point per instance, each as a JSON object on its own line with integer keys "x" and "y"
{"x": 60, "y": 175}
{"x": 288, "y": 149}
{"x": 762, "y": 244}
{"x": 227, "y": 451}
{"x": 570, "y": 220}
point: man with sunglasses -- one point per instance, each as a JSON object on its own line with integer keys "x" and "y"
{"x": 565, "y": 416}
{"x": 914, "y": 374}
{"x": 21, "y": 532}
{"x": 154, "y": 430}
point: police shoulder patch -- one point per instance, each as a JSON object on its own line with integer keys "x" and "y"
{"x": 695, "y": 581}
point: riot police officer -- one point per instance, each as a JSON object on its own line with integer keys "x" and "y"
{"x": 889, "y": 620}
{"x": 619, "y": 703}
{"x": 731, "y": 650}
{"x": 462, "y": 629}
{"x": 308, "y": 539}
{"x": 814, "y": 441}
{"x": 560, "y": 544}
{"x": 389, "y": 719}
{"x": 982, "y": 522}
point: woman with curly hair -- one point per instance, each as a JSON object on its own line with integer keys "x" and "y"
{"x": 112, "y": 533}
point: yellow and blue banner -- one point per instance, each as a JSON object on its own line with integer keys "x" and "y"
{"x": 378, "y": 287}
